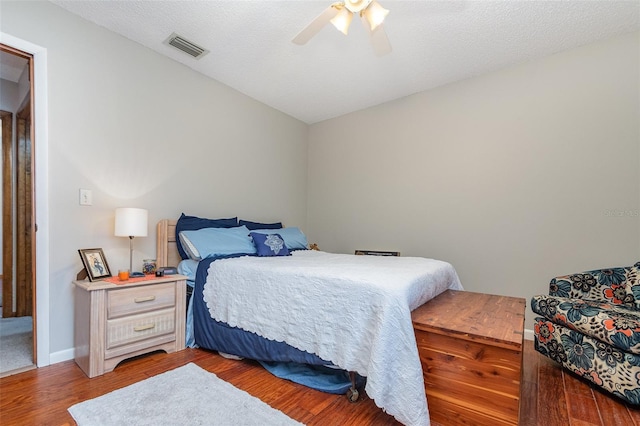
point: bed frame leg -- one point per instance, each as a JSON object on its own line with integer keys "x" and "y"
{"x": 352, "y": 393}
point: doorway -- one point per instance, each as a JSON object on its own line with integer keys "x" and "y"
{"x": 17, "y": 326}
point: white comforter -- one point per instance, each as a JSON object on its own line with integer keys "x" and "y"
{"x": 354, "y": 311}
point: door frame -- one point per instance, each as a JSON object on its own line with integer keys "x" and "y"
{"x": 39, "y": 99}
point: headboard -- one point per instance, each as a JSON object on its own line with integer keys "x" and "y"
{"x": 166, "y": 246}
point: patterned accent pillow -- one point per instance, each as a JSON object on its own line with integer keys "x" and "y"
{"x": 293, "y": 237}
{"x": 269, "y": 244}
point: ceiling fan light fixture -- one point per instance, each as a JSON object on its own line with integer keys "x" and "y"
{"x": 340, "y": 14}
{"x": 375, "y": 14}
{"x": 357, "y": 6}
{"x": 342, "y": 20}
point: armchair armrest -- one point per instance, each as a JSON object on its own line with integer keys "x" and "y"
{"x": 620, "y": 285}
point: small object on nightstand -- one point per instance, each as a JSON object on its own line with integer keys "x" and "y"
{"x": 167, "y": 270}
{"x": 82, "y": 275}
{"x": 123, "y": 274}
{"x": 136, "y": 275}
{"x": 149, "y": 266}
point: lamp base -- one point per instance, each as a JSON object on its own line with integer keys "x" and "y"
{"x": 136, "y": 275}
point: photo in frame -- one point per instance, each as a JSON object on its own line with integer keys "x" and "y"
{"x": 95, "y": 263}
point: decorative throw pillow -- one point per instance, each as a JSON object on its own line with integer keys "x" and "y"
{"x": 269, "y": 244}
{"x": 293, "y": 237}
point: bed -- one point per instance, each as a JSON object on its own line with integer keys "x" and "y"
{"x": 318, "y": 308}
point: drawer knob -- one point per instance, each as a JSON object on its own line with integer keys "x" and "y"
{"x": 144, "y": 299}
{"x": 144, "y": 327}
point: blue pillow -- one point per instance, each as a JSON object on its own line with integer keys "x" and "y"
{"x": 269, "y": 244}
{"x": 293, "y": 237}
{"x": 208, "y": 242}
{"x": 258, "y": 225}
{"x": 191, "y": 223}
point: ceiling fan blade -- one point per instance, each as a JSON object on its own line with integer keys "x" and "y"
{"x": 379, "y": 40}
{"x": 316, "y": 25}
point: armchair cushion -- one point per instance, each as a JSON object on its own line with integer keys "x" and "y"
{"x": 616, "y": 325}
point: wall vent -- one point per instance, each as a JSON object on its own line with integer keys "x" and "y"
{"x": 188, "y": 47}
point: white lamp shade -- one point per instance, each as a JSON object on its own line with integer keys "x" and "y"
{"x": 131, "y": 222}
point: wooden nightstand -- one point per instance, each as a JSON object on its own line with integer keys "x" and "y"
{"x": 118, "y": 321}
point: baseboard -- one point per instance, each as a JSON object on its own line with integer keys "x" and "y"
{"x": 61, "y": 356}
{"x": 528, "y": 334}
{"x": 68, "y": 354}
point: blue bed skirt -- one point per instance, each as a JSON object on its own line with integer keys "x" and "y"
{"x": 279, "y": 358}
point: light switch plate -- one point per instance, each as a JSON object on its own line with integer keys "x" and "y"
{"x": 86, "y": 197}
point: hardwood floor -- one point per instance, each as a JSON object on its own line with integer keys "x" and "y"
{"x": 41, "y": 397}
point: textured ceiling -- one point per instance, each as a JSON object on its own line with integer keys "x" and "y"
{"x": 434, "y": 43}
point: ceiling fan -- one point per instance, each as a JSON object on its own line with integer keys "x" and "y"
{"x": 340, "y": 15}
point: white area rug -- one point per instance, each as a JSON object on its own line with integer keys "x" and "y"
{"x": 186, "y": 395}
{"x": 16, "y": 343}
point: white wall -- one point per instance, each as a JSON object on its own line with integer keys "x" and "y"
{"x": 8, "y": 95}
{"x": 513, "y": 177}
{"x": 141, "y": 130}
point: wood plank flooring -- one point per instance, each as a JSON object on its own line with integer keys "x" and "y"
{"x": 550, "y": 396}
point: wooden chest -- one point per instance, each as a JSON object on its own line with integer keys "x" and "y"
{"x": 470, "y": 347}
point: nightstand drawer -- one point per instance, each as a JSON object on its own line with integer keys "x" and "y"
{"x": 123, "y": 331}
{"x": 134, "y": 300}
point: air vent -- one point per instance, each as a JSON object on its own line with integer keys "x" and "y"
{"x": 186, "y": 46}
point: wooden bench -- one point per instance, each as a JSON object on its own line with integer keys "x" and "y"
{"x": 470, "y": 347}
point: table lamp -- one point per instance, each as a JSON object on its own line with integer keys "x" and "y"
{"x": 131, "y": 222}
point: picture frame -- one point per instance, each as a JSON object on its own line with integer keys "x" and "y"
{"x": 95, "y": 264}
{"x": 376, "y": 253}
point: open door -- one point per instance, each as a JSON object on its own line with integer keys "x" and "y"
{"x": 24, "y": 215}
{"x": 18, "y": 195}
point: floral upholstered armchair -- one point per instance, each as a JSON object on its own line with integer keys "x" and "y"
{"x": 591, "y": 325}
